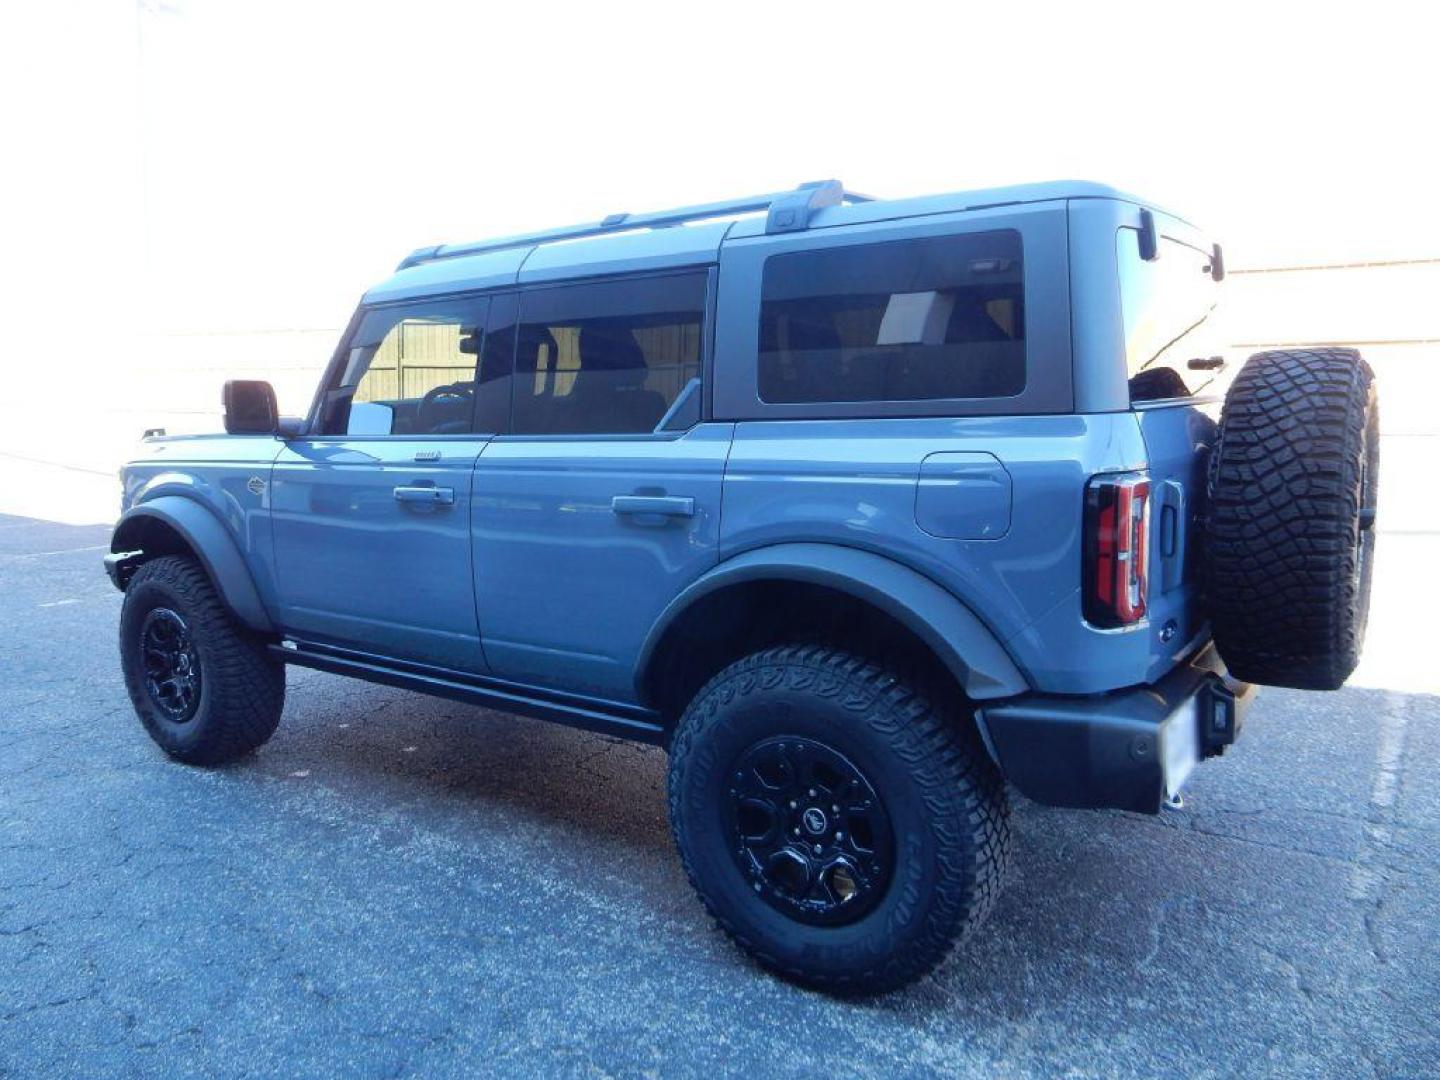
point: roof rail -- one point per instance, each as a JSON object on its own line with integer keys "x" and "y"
{"x": 787, "y": 211}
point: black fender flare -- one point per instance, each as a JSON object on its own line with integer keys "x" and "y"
{"x": 212, "y": 544}
{"x": 962, "y": 642}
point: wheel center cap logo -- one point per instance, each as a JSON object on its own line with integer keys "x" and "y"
{"x": 814, "y": 819}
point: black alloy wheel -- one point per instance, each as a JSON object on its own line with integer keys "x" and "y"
{"x": 170, "y": 664}
{"x": 811, "y": 835}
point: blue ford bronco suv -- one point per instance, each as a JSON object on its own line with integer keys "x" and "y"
{"x": 864, "y": 510}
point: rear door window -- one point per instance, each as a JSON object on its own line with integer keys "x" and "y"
{"x": 909, "y": 320}
{"x": 610, "y": 357}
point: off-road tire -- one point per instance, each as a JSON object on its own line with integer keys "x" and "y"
{"x": 1289, "y": 544}
{"x": 946, "y": 802}
{"x": 242, "y": 687}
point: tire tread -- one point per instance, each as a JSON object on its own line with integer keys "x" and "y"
{"x": 1283, "y": 502}
{"x": 963, "y": 795}
{"x": 246, "y": 686}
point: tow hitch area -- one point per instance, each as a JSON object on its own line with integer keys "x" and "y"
{"x": 1130, "y": 750}
{"x": 1221, "y": 713}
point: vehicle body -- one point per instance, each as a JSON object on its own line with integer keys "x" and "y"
{"x": 578, "y": 474}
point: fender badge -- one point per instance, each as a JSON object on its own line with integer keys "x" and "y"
{"x": 256, "y": 485}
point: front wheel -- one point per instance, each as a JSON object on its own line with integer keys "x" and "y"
{"x": 840, "y": 826}
{"x": 203, "y": 685}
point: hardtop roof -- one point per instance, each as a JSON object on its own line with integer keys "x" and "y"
{"x": 688, "y": 236}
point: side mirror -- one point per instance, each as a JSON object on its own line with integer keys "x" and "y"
{"x": 250, "y": 408}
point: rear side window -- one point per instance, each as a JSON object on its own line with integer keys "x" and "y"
{"x": 607, "y": 357}
{"x": 1169, "y": 307}
{"x": 909, "y": 320}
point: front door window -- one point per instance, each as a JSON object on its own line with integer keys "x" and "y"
{"x": 411, "y": 371}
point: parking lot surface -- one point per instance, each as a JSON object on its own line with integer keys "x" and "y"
{"x": 402, "y": 886}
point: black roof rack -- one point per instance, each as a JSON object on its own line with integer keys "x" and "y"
{"x": 786, "y": 211}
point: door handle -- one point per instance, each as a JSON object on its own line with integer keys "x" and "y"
{"x": 667, "y": 505}
{"x": 422, "y": 495}
{"x": 1172, "y": 534}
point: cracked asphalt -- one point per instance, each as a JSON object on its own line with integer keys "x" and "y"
{"x": 402, "y": 886}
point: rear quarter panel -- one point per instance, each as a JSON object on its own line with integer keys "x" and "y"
{"x": 855, "y": 483}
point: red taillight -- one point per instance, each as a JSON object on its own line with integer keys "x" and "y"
{"x": 1117, "y": 548}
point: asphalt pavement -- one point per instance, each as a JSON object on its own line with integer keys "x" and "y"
{"x": 397, "y": 885}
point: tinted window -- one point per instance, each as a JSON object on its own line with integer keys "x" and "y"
{"x": 1169, "y": 311}
{"x": 911, "y": 320}
{"x": 497, "y": 355}
{"x": 606, "y": 358}
{"x": 410, "y": 370}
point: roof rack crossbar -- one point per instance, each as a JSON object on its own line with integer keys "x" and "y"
{"x": 787, "y": 211}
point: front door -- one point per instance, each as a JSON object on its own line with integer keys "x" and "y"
{"x": 371, "y": 514}
{"x": 604, "y": 500}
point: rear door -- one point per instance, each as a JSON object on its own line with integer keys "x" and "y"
{"x": 603, "y": 500}
{"x": 371, "y": 513}
{"x": 1178, "y": 367}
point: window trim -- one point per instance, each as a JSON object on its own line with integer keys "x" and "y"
{"x": 1049, "y": 378}
{"x": 335, "y": 368}
{"x": 707, "y": 338}
{"x": 835, "y": 303}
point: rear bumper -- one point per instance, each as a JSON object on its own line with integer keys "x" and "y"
{"x": 1127, "y": 750}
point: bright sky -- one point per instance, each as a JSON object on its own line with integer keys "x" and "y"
{"x": 193, "y": 164}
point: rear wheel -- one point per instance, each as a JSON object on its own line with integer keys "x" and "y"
{"x": 204, "y": 686}
{"x": 1290, "y": 542}
{"x": 841, "y": 827}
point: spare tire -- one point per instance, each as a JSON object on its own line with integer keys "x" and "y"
{"x": 1290, "y": 543}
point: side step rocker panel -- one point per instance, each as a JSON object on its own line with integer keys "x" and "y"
{"x": 592, "y": 714}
